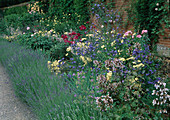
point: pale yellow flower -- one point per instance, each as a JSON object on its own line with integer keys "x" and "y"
{"x": 112, "y": 43}
{"x": 102, "y": 46}
{"x": 139, "y": 65}
{"x": 132, "y": 58}
{"x": 69, "y": 49}
{"x": 135, "y": 84}
{"x": 88, "y": 59}
{"x": 109, "y": 75}
{"x": 89, "y": 35}
{"x": 122, "y": 59}
{"x": 139, "y": 61}
{"x": 83, "y": 39}
{"x": 66, "y": 54}
{"x": 112, "y": 31}
{"x": 49, "y": 62}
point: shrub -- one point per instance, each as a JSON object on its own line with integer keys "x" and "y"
{"x": 21, "y": 21}
{"x": 15, "y": 10}
{"x": 3, "y": 27}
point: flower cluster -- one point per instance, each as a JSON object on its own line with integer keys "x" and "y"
{"x": 104, "y": 102}
{"x": 55, "y": 66}
{"x": 162, "y": 95}
{"x": 82, "y": 27}
{"x": 73, "y": 36}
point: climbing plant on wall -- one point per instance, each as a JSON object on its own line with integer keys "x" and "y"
{"x": 149, "y": 15}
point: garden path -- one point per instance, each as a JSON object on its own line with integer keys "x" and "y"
{"x": 11, "y": 107}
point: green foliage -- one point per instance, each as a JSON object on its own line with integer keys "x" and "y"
{"x": 3, "y": 26}
{"x": 149, "y": 15}
{"x": 71, "y": 12}
{"x": 22, "y": 21}
{"x": 35, "y": 41}
{"x": 12, "y": 20}
{"x": 57, "y": 51}
{"x": 15, "y": 10}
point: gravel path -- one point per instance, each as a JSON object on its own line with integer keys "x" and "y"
{"x": 11, "y": 108}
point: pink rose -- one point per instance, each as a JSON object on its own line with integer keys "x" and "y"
{"x": 127, "y": 33}
{"x": 144, "y": 31}
{"x": 138, "y": 36}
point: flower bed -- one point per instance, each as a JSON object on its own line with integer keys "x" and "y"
{"x": 107, "y": 73}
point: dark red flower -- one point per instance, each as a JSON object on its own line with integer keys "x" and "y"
{"x": 87, "y": 22}
{"x": 72, "y": 42}
{"x": 75, "y": 37}
{"x": 82, "y": 27}
{"x": 66, "y": 41}
{"x": 71, "y": 38}
{"x": 73, "y": 33}
{"x": 78, "y": 34}
{"x": 64, "y": 36}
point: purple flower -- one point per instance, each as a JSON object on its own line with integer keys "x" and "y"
{"x": 75, "y": 95}
{"x": 71, "y": 59}
{"x": 91, "y": 117}
{"x": 83, "y": 77}
{"x": 74, "y": 74}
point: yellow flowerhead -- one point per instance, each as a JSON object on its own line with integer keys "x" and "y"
{"x": 69, "y": 49}
{"x": 122, "y": 59}
{"x": 89, "y": 35}
{"x": 139, "y": 65}
{"x": 134, "y": 82}
{"x": 83, "y": 39}
{"x": 109, "y": 75}
{"x": 112, "y": 31}
{"x": 102, "y": 46}
{"x": 66, "y": 54}
{"x": 131, "y": 58}
{"x": 66, "y": 33}
{"x": 112, "y": 43}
